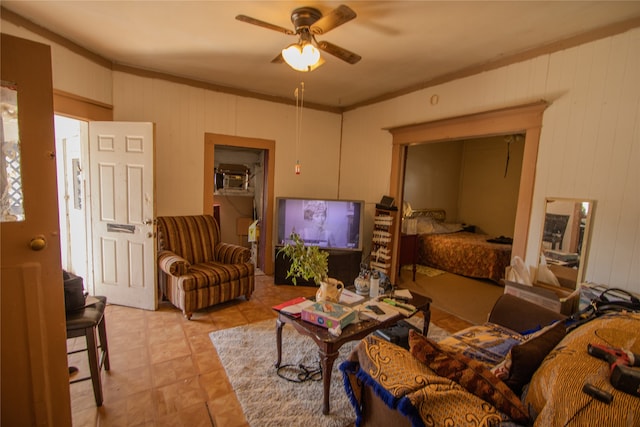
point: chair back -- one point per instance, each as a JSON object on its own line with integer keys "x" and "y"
{"x": 192, "y": 237}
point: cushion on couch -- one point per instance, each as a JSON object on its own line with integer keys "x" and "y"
{"x": 470, "y": 374}
{"x": 523, "y": 359}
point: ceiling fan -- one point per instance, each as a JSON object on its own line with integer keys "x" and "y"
{"x": 309, "y": 22}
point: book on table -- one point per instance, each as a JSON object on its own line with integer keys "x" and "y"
{"x": 328, "y": 314}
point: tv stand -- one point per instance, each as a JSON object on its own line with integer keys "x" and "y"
{"x": 343, "y": 265}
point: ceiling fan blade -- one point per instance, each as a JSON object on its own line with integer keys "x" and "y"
{"x": 250, "y": 20}
{"x": 333, "y": 19}
{"x": 339, "y": 52}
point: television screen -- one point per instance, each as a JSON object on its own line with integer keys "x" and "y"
{"x": 335, "y": 224}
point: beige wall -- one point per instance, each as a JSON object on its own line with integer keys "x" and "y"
{"x": 488, "y": 197}
{"x": 183, "y": 114}
{"x": 588, "y": 149}
{"x": 432, "y": 177}
{"x": 467, "y": 179}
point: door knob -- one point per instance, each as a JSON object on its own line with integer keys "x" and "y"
{"x": 148, "y": 221}
{"x": 38, "y": 243}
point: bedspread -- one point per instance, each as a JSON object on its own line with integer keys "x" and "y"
{"x": 465, "y": 253}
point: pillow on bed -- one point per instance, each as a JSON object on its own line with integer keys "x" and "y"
{"x": 427, "y": 225}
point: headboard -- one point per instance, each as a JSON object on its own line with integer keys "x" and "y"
{"x": 439, "y": 215}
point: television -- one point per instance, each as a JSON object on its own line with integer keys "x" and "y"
{"x": 327, "y": 223}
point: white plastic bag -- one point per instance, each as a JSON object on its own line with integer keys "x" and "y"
{"x": 545, "y": 275}
{"x": 519, "y": 272}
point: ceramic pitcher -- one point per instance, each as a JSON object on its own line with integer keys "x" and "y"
{"x": 330, "y": 290}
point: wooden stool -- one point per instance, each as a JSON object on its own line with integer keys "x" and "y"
{"x": 84, "y": 322}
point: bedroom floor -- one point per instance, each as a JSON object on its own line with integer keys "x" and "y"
{"x": 463, "y": 297}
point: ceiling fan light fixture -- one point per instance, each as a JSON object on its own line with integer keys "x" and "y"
{"x": 301, "y": 57}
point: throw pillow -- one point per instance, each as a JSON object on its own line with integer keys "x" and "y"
{"x": 524, "y": 359}
{"x": 470, "y": 374}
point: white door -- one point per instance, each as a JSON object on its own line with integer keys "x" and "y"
{"x": 122, "y": 212}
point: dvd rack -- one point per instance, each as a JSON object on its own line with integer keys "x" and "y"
{"x": 382, "y": 240}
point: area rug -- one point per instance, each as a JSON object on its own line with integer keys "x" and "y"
{"x": 424, "y": 270}
{"x": 248, "y": 354}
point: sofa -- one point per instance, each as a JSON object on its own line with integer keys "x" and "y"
{"x": 195, "y": 269}
{"x": 522, "y": 367}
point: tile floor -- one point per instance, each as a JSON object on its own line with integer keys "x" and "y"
{"x": 164, "y": 369}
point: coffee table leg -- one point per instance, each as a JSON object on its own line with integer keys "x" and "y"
{"x": 327, "y": 359}
{"x": 279, "y": 325}
{"x": 426, "y": 312}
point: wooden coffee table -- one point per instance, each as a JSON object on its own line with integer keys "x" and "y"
{"x": 329, "y": 345}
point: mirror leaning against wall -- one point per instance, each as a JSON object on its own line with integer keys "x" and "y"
{"x": 565, "y": 238}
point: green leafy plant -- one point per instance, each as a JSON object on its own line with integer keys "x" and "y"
{"x": 307, "y": 262}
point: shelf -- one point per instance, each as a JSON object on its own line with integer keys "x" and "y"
{"x": 382, "y": 240}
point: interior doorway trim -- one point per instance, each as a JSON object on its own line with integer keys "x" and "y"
{"x": 266, "y": 226}
{"x": 81, "y": 108}
{"x": 525, "y": 119}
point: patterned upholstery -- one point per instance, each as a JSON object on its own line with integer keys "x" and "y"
{"x": 196, "y": 270}
{"x": 555, "y": 393}
{"x": 407, "y": 385}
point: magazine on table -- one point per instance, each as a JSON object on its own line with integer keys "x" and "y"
{"x": 348, "y": 297}
{"x": 294, "y": 306}
{"x": 381, "y": 312}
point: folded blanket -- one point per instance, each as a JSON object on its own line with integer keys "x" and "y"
{"x": 409, "y": 386}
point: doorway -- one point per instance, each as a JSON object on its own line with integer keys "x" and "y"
{"x": 525, "y": 119}
{"x": 75, "y": 242}
{"x": 264, "y": 206}
{"x": 107, "y": 240}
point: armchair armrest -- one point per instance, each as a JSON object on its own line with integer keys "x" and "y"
{"x": 521, "y": 315}
{"x": 228, "y": 253}
{"x": 172, "y": 264}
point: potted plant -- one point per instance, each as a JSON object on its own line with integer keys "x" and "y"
{"x": 311, "y": 263}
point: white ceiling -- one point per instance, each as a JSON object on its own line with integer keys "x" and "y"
{"x": 403, "y": 44}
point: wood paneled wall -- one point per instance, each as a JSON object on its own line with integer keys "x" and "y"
{"x": 589, "y": 145}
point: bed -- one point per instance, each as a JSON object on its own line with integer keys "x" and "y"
{"x": 449, "y": 247}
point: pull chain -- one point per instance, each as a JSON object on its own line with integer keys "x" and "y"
{"x": 299, "y": 94}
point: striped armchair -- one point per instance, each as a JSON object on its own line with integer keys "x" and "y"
{"x": 196, "y": 270}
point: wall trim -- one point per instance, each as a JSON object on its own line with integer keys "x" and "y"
{"x": 81, "y": 108}
{"x": 21, "y": 21}
{"x": 595, "y": 34}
